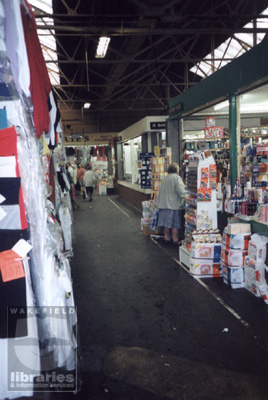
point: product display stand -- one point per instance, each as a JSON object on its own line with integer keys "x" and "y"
{"x": 201, "y": 217}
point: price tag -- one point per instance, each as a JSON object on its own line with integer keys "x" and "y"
{"x": 11, "y": 266}
{"x": 22, "y": 248}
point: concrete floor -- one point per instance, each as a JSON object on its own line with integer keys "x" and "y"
{"x": 147, "y": 329}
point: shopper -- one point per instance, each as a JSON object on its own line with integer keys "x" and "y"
{"x": 171, "y": 203}
{"x": 70, "y": 170}
{"x": 80, "y": 178}
{"x": 89, "y": 180}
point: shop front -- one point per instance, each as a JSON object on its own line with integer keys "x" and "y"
{"x": 222, "y": 135}
{"x": 134, "y": 153}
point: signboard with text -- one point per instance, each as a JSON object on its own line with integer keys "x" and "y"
{"x": 89, "y": 139}
{"x": 214, "y": 132}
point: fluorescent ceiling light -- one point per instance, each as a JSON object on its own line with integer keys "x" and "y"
{"x": 221, "y": 105}
{"x": 102, "y": 47}
{"x": 87, "y": 105}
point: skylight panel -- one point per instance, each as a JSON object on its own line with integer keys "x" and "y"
{"x": 47, "y": 39}
{"x": 231, "y": 48}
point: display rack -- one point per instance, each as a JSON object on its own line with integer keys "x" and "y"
{"x": 201, "y": 202}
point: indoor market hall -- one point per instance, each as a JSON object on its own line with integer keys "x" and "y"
{"x": 146, "y": 328}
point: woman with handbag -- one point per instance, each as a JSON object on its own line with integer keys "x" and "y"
{"x": 171, "y": 204}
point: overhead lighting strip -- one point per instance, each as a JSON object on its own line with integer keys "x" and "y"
{"x": 102, "y": 47}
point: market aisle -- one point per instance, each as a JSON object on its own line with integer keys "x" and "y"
{"x": 148, "y": 330}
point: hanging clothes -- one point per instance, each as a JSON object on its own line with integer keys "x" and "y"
{"x": 40, "y": 86}
{"x": 16, "y": 47}
{"x": 8, "y": 150}
{"x": 54, "y": 127}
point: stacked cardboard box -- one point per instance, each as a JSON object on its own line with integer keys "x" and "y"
{"x": 205, "y": 259}
{"x": 255, "y": 267}
{"x": 233, "y": 254}
{"x": 158, "y": 174}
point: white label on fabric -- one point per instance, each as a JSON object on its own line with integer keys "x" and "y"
{"x": 2, "y": 198}
{"x": 22, "y": 248}
{"x": 2, "y": 213}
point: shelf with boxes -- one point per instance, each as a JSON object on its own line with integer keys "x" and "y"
{"x": 249, "y": 197}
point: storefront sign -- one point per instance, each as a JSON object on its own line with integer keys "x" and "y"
{"x": 90, "y": 139}
{"x": 212, "y": 132}
{"x": 158, "y": 125}
{"x": 210, "y": 121}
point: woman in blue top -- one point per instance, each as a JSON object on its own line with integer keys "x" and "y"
{"x": 171, "y": 203}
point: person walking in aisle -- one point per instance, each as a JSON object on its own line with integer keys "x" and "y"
{"x": 89, "y": 180}
{"x": 80, "y": 178}
{"x": 171, "y": 203}
{"x": 70, "y": 170}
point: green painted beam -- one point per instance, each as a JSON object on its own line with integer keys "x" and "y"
{"x": 244, "y": 72}
{"x": 233, "y": 139}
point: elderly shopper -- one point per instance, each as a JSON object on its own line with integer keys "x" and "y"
{"x": 171, "y": 204}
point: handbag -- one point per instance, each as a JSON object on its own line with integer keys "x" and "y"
{"x": 154, "y": 222}
{"x": 85, "y": 196}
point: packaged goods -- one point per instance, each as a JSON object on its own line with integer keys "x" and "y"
{"x": 205, "y": 268}
{"x": 259, "y": 269}
{"x": 264, "y": 292}
{"x": 238, "y": 228}
{"x": 250, "y": 282}
{"x": 233, "y": 257}
{"x": 257, "y": 248}
{"x": 213, "y": 171}
{"x": 102, "y": 189}
{"x": 206, "y": 250}
{"x": 236, "y": 241}
{"x": 233, "y": 276}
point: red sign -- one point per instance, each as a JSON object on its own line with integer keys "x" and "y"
{"x": 214, "y": 132}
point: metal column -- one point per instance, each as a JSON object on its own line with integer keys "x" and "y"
{"x": 234, "y": 131}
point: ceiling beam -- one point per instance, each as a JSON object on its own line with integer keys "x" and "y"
{"x": 134, "y": 61}
{"x": 132, "y": 31}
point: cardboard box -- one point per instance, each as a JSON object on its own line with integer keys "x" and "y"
{"x": 147, "y": 231}
{"x": 238, "y": 228}
{"x": 250, "y": 282}
{"x": 102, "y": 189}
{"x": 264, "y": 292}
{"x": 257, "y": 250}
{"x": 259, "y": 269}
{"x": 236, "y": 240}
{"x": 204, "y": 268}
{"x": 233, "y": 276}
{"x": 233, "y": 257}
{"x": 210, "y": 251}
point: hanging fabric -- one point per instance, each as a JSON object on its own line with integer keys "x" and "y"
{"x": 40, "y": 86}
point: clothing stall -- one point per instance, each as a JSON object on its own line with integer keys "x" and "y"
{"x": 37, "y": 311}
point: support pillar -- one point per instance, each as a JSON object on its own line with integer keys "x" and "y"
{"x": 173, "y": 139}
{"x": 234, "y": 132}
